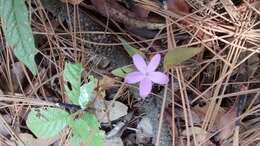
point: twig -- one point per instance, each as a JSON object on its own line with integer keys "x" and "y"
{"x": 161, "y": 117}
{"x": 173, "y": 111}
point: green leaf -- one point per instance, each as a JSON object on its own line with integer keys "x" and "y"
{"x": 129, "y": 49}
{"x": 72, "y": 74}
{"x": 72, "y": 94}
{"x": 86, "y": 92}
{"x": 47, "y": 122}
{"x": 179, "y": 55}
{"x": 74, "y": 140}
{"x": 87, "y": 128}
{"x": 123, "y": 71}
{"x": 18, "y": 33}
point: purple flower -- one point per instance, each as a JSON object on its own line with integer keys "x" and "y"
{"x": 146, "y": 74}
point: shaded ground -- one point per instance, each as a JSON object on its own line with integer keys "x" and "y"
{"x": 213, "y": 97}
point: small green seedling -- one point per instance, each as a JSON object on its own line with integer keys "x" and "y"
{"x": 46, "y": 122}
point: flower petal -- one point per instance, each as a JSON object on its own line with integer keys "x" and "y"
{"x": 134, "y": 77}
{"x": 154, "y": 63}
{"x": 139, "y": 63}
{"x": 158, "y": 77}
{"x": 145, "y": 87}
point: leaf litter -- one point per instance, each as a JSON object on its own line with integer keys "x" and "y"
{"x": 210, "y": 54}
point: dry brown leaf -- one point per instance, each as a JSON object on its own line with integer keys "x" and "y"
{"x": 29, "y": 140}
{"x": 140, "y": 11}
{"x": 17, "y": 75}
{"x": 107, "y": 82}
{"x": 109, "y": 110}
{"x": 102, "y": 85}
{"x": 178, "y": 6}
{"x": 201, "y": 111}
{"x": 226, "y": 124}
{"x": 200, "y": 134}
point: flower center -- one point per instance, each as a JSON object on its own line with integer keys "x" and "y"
{"x": 146, "y": 73}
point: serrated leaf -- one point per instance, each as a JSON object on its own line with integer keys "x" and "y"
{"x": 129, "y": 49}
{"x": 179, "y": 55}
{"x": 18, "y": 33}
{"x": 47, "y": 122}
{"x": 87, "y": 128}
{"x": 86, "y": 92}
{"x": 123, "y": 71}
{"x": 72, "y": 74}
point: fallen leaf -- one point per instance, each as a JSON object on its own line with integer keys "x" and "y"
{"x": 201, "y": 112}
{"x": 224, "y": 123}
{"x": 179, "y": 55}
{"x": 102, "y": 85}
{"x": 106, "y": 82}
{"x": 144, "y": 131}
{"x": 146, "y": 127}
{"x": 197, "y": 131}
{"x": 140, "y": 11}
{"x": 114, "y": 141}
{"x": 200, "y": 134}
{"x": 196, "y": 119}
{"x": 119, "y": 13}
{"x": 115, "y": 110}
{"x": 17, "y": 77}
{"x": 178, "y": 6}
{"x": 29, "y": 140}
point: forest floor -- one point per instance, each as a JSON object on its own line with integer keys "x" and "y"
{"x": 210, "y": 51}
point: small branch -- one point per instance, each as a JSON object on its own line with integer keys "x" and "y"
{"x": 117, "y": 12}
{"x": 157, "y": 143}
